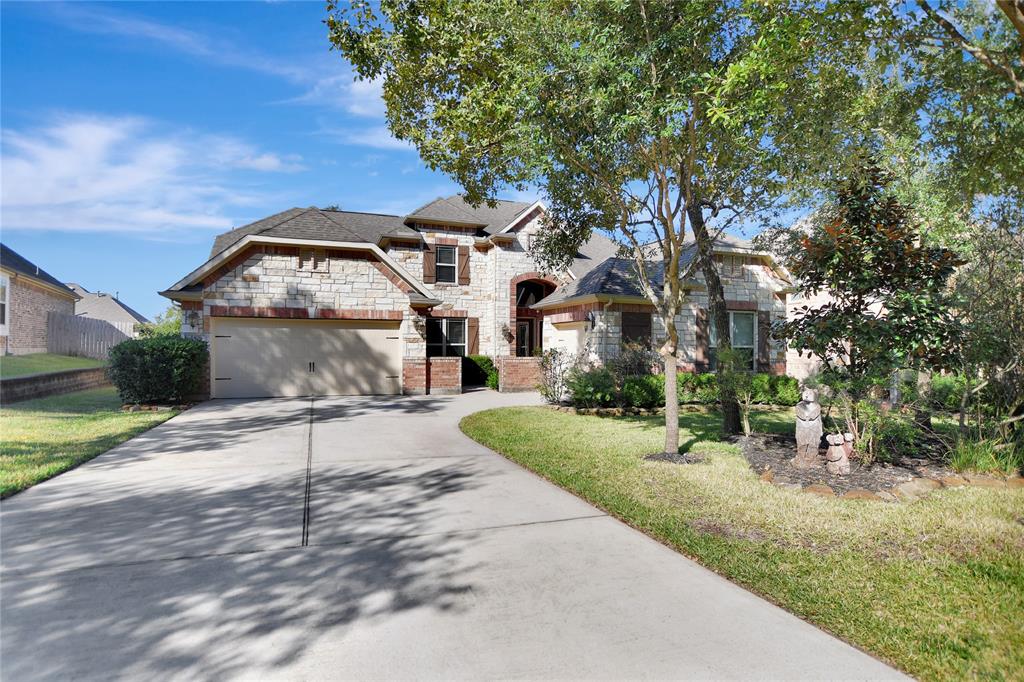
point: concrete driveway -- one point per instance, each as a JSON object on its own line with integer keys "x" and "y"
{"x": 361, "y": 538}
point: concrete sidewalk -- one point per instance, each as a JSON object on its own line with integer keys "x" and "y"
{"x": 355, "y": 538}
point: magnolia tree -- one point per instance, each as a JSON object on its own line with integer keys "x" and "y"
{"x": 888, "y": 306}
{"x": 660, "y": 124}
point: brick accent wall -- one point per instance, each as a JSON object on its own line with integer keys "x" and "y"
{"x": 52, "y": 383}
{"x": 444, "y": 375}
{"x": 518, "y": 374}
{"x": 421, "y": 376}
{"x": 28, "y": 307}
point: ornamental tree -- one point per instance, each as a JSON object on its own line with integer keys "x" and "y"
{"x": 650, "y": 121}
{"x": 889, "y": 305}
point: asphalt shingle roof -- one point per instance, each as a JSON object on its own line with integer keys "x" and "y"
{"x": 616, "y": 276}
{"x": 103, "y": 306}
{"x": 491, "y": 219}
{"x": 315, "y": 223}
{"x": 12, "y": 260}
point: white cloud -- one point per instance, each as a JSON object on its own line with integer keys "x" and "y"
{"x": 327, "y": 80}
{"x": 377, "y": 137}
{"x": 126, "y": 174}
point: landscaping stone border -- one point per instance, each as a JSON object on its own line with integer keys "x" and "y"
{"x": 31, "y": 386}
{"x": 913, "y": 488}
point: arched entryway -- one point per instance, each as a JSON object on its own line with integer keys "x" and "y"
{"x": 525, "y": 323}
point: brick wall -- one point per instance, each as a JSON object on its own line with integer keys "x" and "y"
{"x": 422, "y": 376}
{"x": 26, "y": 323}
{"x": 518, "y": 374}
{"x": 52, "y": 383}
{"x": 444, "y": 375}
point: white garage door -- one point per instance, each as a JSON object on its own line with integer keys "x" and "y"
{"x": 254, "y": 358}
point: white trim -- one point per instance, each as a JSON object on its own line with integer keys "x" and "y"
{"x": 522, "y": 214}
{"x": 228, "y": 253}
{"x": 5, "y": 326}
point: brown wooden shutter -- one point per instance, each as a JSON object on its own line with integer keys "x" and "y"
{"x": 473, "y": 336}
{"x": 764, "y": 331}
{"x": 429, "y": 264}
{"x": 703, "y": 341}
{"x": 463, "y": 265}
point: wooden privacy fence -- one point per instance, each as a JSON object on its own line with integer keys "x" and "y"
{"x": 84, "y": 337}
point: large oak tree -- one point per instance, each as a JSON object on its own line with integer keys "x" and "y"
{"x": 660, "y": 123}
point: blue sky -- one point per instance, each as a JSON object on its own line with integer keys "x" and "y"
{"x": 132, "y": 133}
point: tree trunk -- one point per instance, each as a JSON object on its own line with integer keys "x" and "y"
{"x": 718, "y": 313}
{"x": 671, "y": 403}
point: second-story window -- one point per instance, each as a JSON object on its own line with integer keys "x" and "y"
{"x": 446, "y": 265}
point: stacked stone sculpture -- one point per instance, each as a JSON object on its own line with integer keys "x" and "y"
{"x": 808, "y": 430}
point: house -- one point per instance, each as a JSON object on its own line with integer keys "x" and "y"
{"x": 27, "y": 295}
{"x": 102, "y": 306}
{"x": 312, "y": 301}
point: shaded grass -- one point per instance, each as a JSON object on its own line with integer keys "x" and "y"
{"x": 935, "y": 587}
{"x": 45, "y": 437}
{"x": 36, "y": 363}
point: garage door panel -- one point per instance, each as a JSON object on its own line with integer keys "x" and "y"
{"x": 351, "y": 360}
{"x": 254, "y": 358}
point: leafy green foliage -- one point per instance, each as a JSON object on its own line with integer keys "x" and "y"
{"x": 162, "y": 369}
{"x": 643, "y": 121}
{"x": 167, "y": 323}
{"x": 591, "y": 388}
{"x": 785, "y": 390}
{"x": 889, "y": 306}
{"x": 644, "y": 391}
{"x": 477, "y": 370}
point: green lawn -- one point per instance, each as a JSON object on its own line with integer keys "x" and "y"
{"x": 45, "y": 437}
{"x": 20, "y": 365}
{"x": 935, "y": 587}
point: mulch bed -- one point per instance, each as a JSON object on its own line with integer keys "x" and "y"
{"x": 774, "y": 452}
{"x": 675, "y": 458}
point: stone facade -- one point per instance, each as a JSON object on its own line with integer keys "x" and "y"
{"x": 28, "y": 307}
{"x": 491, "y": 268}
{"x": 278, "y": 281}
{"x": 754, "y": 289}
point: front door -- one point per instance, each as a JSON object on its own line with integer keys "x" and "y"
{"x": 524, "y": 338}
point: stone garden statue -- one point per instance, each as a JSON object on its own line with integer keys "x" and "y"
{"x": 837, "y": 455}
{"x": 808, "y": 429}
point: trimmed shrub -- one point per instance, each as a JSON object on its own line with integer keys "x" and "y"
{"x": 697, "y": 388}
{"x": 161, "y": 369}
{"x": 591, "y": 388}
{"x": 761, "y": 388}
{"x": 645, "y": 391}
{"x": 477, "y": 370}
{"x": 492, "y": 381}
{"x": 785, "y": 390}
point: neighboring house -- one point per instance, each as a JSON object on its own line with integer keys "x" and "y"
{"x": 27, "y": 295}
{"x": 312, "y": 301}
{"x": 103, "y": 306}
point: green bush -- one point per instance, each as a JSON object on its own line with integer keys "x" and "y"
{"x": 592, "y": 388}
{"x": 492, "y": 381}
{"x": 785, "y": 390}
{"x": 697, "y": 388}
{"x": 161, "y": 369}
{"x": 477, "y": 370}
{"x": 645, "y": 391}
{"x": 761, "y": 386}
{"x": 988, "y": 457}
{"x": 945, "y": 392}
